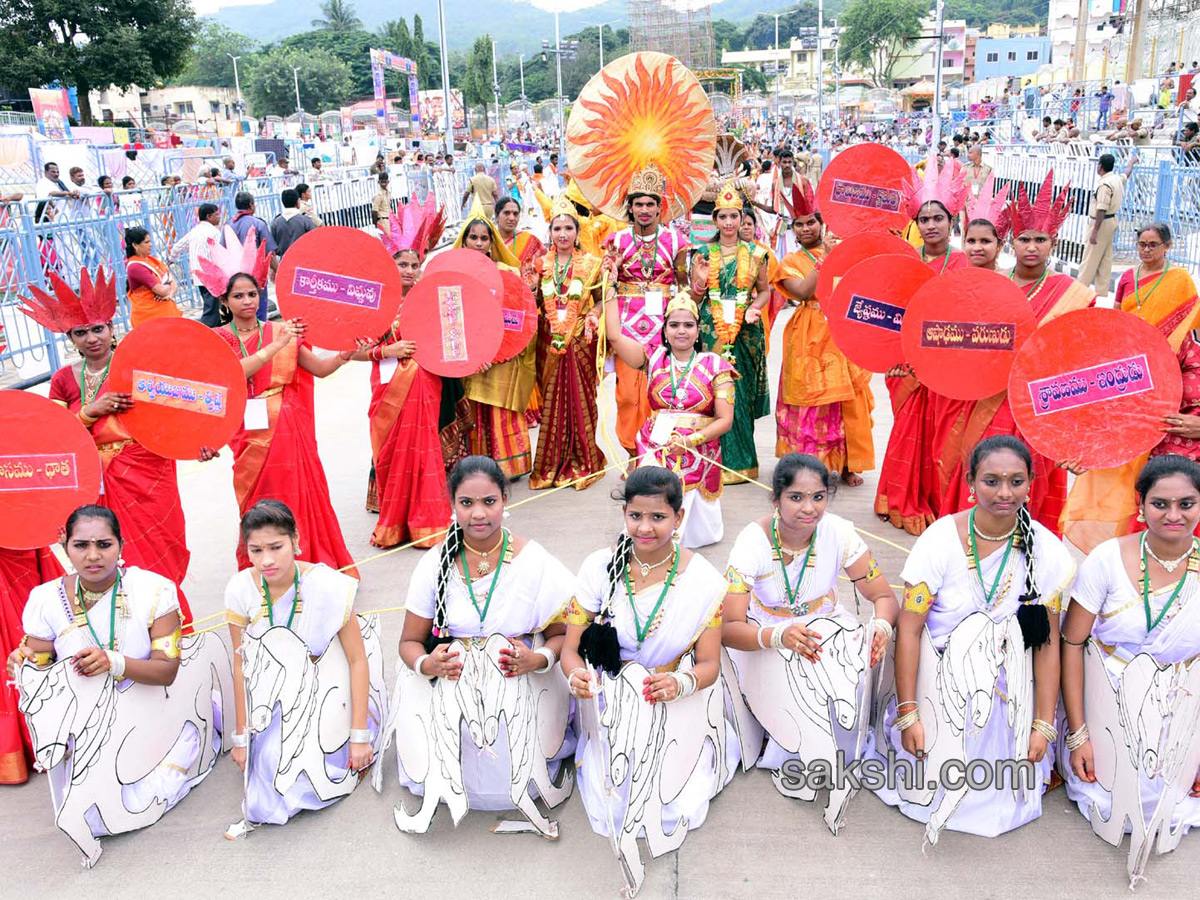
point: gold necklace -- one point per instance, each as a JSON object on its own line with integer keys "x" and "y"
{"x": 250, "y": 330}
{"x": 483, "y": 566}
{"x": 1169, "y": 564}
{"x": 997, "y": 538}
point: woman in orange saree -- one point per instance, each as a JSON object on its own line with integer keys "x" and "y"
{"x": 408, "y": 475}
{"x": 1050, "y": 296}
{"x": 151, "y": 285}
{"x": 1101, "y": 503}
{"x": 137, "y": 485}
{"x": 568, "y": 291}
{"x": 20, "y": 572}
{"x": 825, "y": 401}
{"x": 275, "y": 451}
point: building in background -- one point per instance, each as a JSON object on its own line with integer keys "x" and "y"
{"x": 1013, "y": 56}
{"x": 916, "y": 63}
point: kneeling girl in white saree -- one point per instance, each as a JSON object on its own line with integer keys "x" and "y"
{"x": 480, "y": 711}
{"x": 803, "y": 664}
{"x": 101, "y": 649}
{"x": 976, "y": 665}
{"x": 643, "y": 655}
{"x": 1131, "y": 672}
{"x": 309, "y": 675}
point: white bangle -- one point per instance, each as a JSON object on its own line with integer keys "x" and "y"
{"x": 777, "y": 637}
{"x": 759, "y": 638}
{"x": 886, "y": 627}
{"x": 571, "y": 678}
{"x": 551, "y": 659}
{"x": 360, "y": 735}
{"x": 241, "y": 740}
{"x": 420, "y": 662}
{"x": 116, "y": 663}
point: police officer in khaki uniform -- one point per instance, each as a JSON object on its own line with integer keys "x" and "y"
{"x": 1096, "y": 268}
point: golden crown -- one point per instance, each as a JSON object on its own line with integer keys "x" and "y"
{"x": 728, "y": 197}
{"x": 649, "y": 181}
{"x": 682, "y": 300}
{"x": 562, "y": 206}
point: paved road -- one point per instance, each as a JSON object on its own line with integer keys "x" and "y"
{"x": 755, "y": 843}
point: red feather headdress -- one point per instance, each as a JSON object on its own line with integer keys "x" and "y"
{"x": 95, "y": 304}
{"x": 418, "y": 227}
{"x": 234, "y": 257}
{"x": 948, "y": 186}
{"x": 1047, "y": 212}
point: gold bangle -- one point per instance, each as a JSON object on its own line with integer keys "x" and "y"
{"x": 87, "y": 420}
{"x": 261, "y": 356}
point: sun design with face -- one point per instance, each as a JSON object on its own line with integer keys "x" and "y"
{"x": 644, "y": 108}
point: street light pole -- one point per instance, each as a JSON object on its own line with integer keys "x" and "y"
{"x": 496, "y": 91}
{"x": 237, "y": 82}
{"x": 820, "y": 71}
{"x": 524, "y": 99}
{"x": 449, "y": 130}
{"x": 562, "y": 128}
{"x": 296, "y": 81}
{"x": 937, "y": 78}
{"x": 777, "y": 15}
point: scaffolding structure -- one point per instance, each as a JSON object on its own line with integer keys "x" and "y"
{"x": 681, "y": 28}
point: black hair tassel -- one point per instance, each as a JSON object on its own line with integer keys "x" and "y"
{"x": 600, "y": 646}
{"x": 1034, "y": 620}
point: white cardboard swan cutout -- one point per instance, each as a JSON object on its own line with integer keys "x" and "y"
{"x": 103, "y": 736}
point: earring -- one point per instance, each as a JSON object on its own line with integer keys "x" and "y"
{"x": 1141, "y": 516}
{"x": 121, "y": 562}
{"x": 295, "y": 549}
{"x": 971, "y": 496}
{"x": 775, "y": 515}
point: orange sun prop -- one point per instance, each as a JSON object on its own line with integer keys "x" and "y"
{"x": 643, "y": 108}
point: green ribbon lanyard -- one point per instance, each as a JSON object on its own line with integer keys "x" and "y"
{"x": 1152, "y": 623}
{"x": 638, "y": 627}
{"x": 85, "y": 400}
{"x": 495, "y": 578}
{"x": 243, "y": 346}
{"x": 1137, "y": 276}
{"x": 1036, "y": 285}
{"x": 295, "y": 598}
{"x": 787, "y": 585}
{"x": 988, "y": 594}
{"x": 683, "y": 377}
{"x": 112, "y": 612}
{"x": 945, "y": 259}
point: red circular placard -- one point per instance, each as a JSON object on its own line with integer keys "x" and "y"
{"x": 49, "y": 466}
{"x": 470, "y": 263}
{"x": 520, "y": 316}
{"x": 342, "y": 282}
{"x": 862, "y": 189}
{"x": 843, "y": 256}
{"x": 188, "y": 388}
{"x": 962, "y": 331}
{"x": 867, "y": 308}
{"x": 1065, "y": 395}
{"x": 455, "y": 321}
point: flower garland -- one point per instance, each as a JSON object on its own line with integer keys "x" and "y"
{"x": 562, "y": 321}
{"x": 727, "y": 332}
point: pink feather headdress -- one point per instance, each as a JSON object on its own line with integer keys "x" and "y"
{"x": 991, "y": 206}
{"x": 1047, "y": 212}
{"x": 95, "y": 304}
{"x": 223, "y": 262}
{"x": 947, "y": 186}
{"x": 418, "y": 227}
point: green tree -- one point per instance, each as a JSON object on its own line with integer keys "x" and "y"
{"x": 752, "y": 79}
{"x": 395, "y": 36}
{"x": 339, "y": 16}
{"x": 477, "y": 85}
{"x": 760, "y": 35}
{"x": 209, "y": 62}
{"x": 94, "y": 45}
{"x": 877, "y": 32}
{"x": 324, "y": 82}
{"x": 426, "y": 56}
{"x": 351, "y": 48}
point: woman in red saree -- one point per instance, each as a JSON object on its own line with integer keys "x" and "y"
{"x": 1050, "y": 296}
{"x": 568, "y": 292}
{"x": 275, "y": 451}
{"x": 908, "y": 490}
{"x": 20, "y": 572}
{"x": 137, "y": 485}
{"x": 408, "y": 475}
{"x": 1101, "y": 504}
